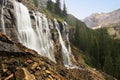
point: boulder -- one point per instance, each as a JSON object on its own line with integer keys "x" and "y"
{"x": 23, "y": 74}
{"x": 9, "y": 77}
{"x": 34, "y": 66}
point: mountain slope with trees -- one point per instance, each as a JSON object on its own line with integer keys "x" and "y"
{"x": 103, "y": 19}
{"x": 55, "y": 8}
{"x": 102, "y": 51}
{"x": 100, "y": 48}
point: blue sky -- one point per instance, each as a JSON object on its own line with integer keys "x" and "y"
{"x": 84, "y": 8}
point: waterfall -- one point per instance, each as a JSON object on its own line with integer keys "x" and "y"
{"x": 44, "y": 35}
{"x": 3, "y": 2}
{"x": 26, "y": 33}
{"x": 69, "y": 47}
{"x": 65, "y": 53}
{"x": 37, "y": 39}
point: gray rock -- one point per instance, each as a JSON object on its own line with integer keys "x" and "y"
{"x": 6, "y": 44}
{"x": 42, "y": 3}
{"x": 9, "y": 19}
{"x": 103, "y": 19}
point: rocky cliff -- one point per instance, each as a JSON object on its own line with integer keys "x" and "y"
{"x": 110, "y": 20}
{"x": 37, "y": 48}
{"x": 103, "y": 19}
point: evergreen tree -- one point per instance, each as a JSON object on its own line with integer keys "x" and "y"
{"x": 117, "y": 67}
{"x": 64, "y": 12}
{"x": 108, "y": 65}
{"x": 77, "y": 32}
{"x": 102, "y": 51}
{"x": 50, "y": 5}
{"x": 36, "y": 3}
{"x": 57, "y": 8}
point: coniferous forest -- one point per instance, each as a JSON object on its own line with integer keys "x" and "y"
{"x": 101, "y": 50}
{"x": 56, "y": 8}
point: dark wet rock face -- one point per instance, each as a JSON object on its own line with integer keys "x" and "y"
{"x": 9, "y": 21}
{"x": 19, "y": 0}
{"x": 6, "y": 44}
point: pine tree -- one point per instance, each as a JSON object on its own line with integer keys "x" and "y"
{"x": 117, "y": 67}
{"x": 108, "y": 64}
{"x": 57, "y": 8}
{"x": 64, "y": 12}
{"x": 36, "y": 3}
{"x": 50, "y": 5}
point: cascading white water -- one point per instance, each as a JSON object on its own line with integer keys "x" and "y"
{"x": 37, "y": 39}
{"x": 65, "y": 53}
{"x": 69, "y": 47}
{"x": 44, "y": 35}
{"x": 2, "y": 16}
{"x": 26, "y": 33}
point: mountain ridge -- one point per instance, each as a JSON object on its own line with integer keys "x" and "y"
{"x": 103, "y": 19}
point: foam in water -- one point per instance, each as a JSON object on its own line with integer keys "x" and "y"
{"x": 37, "y": 39}
{"x": 2, "y": 15}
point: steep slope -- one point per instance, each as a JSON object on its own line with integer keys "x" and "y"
{"x": 103, "y": 19}
{"x": 19, "y": 62}
{"x": 114, "y": 31}
{"x": 34, "y": 30}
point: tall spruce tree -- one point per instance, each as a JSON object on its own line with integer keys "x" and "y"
{"x": 57, "y": 8}
{"x": 64, "y": 12}
{"x": 108, "y": 65}
{"x": 50, "y": 5}
{"x": 36, "y": 3}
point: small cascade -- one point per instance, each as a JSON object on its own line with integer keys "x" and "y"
{"x": 69, "y": 48}
{"x": 65, "y": 53}
{"x": 3, "y": 3}
{"x": 37, "y": 38}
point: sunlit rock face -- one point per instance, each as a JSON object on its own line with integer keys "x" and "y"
{"x": 109, "y": 20}
{"x": 103, "y": 19}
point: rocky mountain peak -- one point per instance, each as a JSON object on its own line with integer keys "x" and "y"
{"x": 103, "y": 19}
